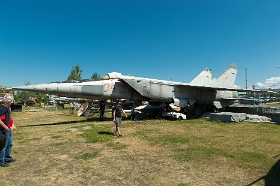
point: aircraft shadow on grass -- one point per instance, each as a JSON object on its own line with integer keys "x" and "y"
{"x": 272, "y": 178}
{"x": 66, "y": 122}
{"x": 57, "y": 123}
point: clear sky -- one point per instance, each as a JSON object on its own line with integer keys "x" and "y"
{"x": 42, "y": 40}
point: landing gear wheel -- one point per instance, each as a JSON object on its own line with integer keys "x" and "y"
{"x": 136, "y": 116}
{"x": 197, "y": 113}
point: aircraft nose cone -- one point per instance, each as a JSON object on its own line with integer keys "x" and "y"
{"x": 28, "y": 87}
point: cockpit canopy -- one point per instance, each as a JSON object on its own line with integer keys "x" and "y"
{"x": 112, "y": 75}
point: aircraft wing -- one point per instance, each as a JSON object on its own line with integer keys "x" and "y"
{"x": 138, "y": 85}
{"x": 223, "y": 88}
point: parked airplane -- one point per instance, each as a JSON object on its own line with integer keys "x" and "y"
{"x": 200, "y": 95}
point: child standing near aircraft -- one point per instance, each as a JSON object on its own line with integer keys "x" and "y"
{"x": 117, "y": 116}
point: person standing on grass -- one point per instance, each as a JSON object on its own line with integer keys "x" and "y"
{"x": 102, "y": 110}
{"x": 117, "y": 116}
{"x": 9, "y": 142}
{"x": 4, "y": 129}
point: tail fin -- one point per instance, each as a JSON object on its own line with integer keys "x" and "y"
{"x": 227, "y": 78}
{"x": 204, "y": 78}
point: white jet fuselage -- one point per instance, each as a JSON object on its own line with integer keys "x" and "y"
{"x": 133, "y": 89}
{"x": 202, "y": 90}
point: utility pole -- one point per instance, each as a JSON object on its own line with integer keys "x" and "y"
{"x": 246, "y": 81}
{"x": 246, "y": 78}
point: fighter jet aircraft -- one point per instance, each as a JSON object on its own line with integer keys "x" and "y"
{"x": 201, "y": 94}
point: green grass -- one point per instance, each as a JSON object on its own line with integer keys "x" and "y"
{"x": 86, "y": 169}
{"x": 87, "y": 156}
{"x": 254, "y": 160}
{"x": 182, "y": 184}
{"x": 151, "y": 152}
{"x": 200, "y": 154}
{"x": 116, "y": 145}
{"x": 201, "y": 142}
{"x": 98, "y": 134}
{"x": 169, "y": 139}
{"x": 56, "y": 137}
{"x": 58, "y": 144}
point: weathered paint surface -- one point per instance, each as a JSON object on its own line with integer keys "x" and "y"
{"x": 202, "y": 90}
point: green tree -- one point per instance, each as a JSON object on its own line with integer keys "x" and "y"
{"x": 95, "y": 76}
{"x": 23, "y": 96}
{"x": 76, "y": 73}
{"x": 42, "y": 98}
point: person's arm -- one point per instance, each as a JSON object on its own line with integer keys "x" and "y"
{"x": 3, "y": 125}
{"x": 124, "y": 113}
{"x": 114, "y": 115}
{"x": 13, "y": 126}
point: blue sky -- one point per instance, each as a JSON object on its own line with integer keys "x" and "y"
{"x": 42, "y": 40}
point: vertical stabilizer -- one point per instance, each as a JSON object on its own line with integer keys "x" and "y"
{"x": 203, "y": 79}
{"x": 227, "y": 78}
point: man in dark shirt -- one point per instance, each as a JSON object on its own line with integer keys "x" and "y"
{"x": 101, "y": 109}
{"x": 117, "y": 116}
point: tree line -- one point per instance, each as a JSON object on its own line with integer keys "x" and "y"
{"x": 76, "y": 74}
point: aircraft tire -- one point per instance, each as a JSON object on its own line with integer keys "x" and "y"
{"x": 197, "y": 113}
{"x": 137, "y": 117}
